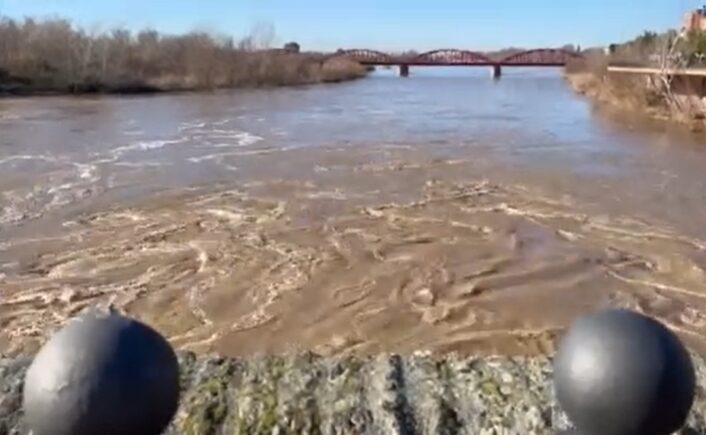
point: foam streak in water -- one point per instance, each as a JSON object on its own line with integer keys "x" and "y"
{"x": 145, "y": 146}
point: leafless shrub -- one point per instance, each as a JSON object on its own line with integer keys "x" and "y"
{"x": 53, "y": 55}
{"x": 591, "y": 62}
{"x": 663, "y": 94}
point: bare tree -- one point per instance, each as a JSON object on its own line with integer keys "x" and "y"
{"x": 262, "y": 35}
{"x": 52, "y": 54}
{"x": 670, "y": 60}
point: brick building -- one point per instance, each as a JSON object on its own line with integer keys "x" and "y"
{"x": 694, "y": 20}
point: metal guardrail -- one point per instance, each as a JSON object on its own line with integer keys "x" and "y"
{"x": 617, "y": 372}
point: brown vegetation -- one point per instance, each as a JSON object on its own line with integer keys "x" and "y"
{"x": 625, "y": 92}
{"x": 662, "y": 96}
{"x": 589, "y": 76}
{"x": 53, "y": 56}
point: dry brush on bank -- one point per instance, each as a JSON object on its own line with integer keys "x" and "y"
{"x": 662, "y": 95}
{"x": 54, "y": 56}
{"x": 590, "y": 77}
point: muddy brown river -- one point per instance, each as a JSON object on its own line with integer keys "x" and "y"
{"x": 444, "y": 212}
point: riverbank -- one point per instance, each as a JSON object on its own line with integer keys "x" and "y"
{"x": 639, "y": 90}
{"x": 606, "y": 91}
{"x": 637, "y": 94}
{"x": 385, "y": 394}
{"x": 54, "y": 57}
{"x": 268, "y": 71}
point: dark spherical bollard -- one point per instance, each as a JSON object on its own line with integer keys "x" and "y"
{"x": 618, "y": 372}
{"x": 102, "y": 374}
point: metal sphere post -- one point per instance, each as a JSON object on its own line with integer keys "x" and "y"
{"x": 102, "y": 374}
{"x": 618, "y": 372}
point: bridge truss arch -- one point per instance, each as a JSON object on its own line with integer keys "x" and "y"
{"x": 366, "y": 57}
{"x": 451, "y": 56}
{"x": 541, "y": 57}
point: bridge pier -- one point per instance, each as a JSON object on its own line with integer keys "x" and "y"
{"x": 404, "y": 70}
{"x": 497, "y": 72}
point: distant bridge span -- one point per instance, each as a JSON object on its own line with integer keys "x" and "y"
{"x": 543, "y": 57}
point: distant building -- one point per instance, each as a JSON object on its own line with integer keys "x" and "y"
{"x": 694, "y": 20}
{"x": 292, "y": 47}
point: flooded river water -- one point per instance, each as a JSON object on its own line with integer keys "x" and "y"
{"x": 443, "y": 212}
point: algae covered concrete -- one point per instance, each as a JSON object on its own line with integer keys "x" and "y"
{"x": 386, "y": 394}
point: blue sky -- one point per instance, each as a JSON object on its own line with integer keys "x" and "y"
{"x": 381, "y": 24}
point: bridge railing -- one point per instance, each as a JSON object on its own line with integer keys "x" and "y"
{"x": 616, "y": 372}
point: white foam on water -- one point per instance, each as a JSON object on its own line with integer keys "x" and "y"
{"x": 209, "y": 157}
{"x": 139, "y": 164}
{"x": 380, "y": 112}
{"x": 130, "y": 215}
{"x": 191, "y": 125}
{"x": 87, "y": 171}
{"x": 66, "y": 192}
{"x": 11, "y": 213}
{"x": 55, "y": 189}
{"x": 230, "y": 215}
{"x": 28, "y": 157}
{"x": 102, "y": 161}
{"x": 219, "y": 156}
{"x": 154, "y": 144}
{"x": 9, "y": 117}
{"x": 62, "y": 188}
{"x": 145, "y": 146}
{"x": 226, "y": 132}
{"x": 335, "y": 195}
{"x": 59, "y": 200}
{"x": 242, "y": 139}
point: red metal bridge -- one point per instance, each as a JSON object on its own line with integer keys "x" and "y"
{"x": 543, "y": 57}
